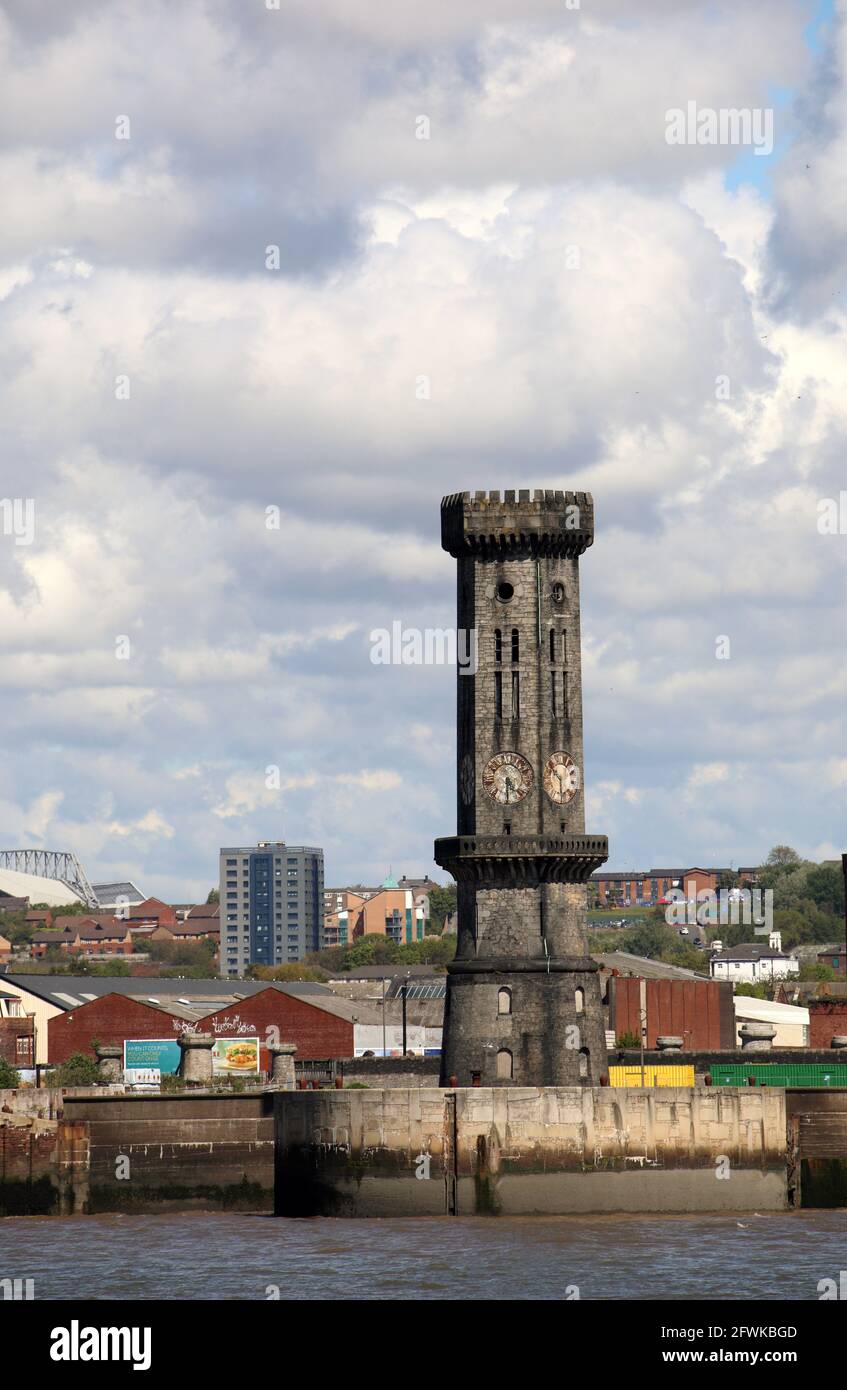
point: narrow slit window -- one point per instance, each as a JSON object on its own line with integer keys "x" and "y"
{"x": 552, "y": 644}
{"x": 498, "y": 645}
{"x": 564, "y": 646}
{"x": 553, "y": 701}
{"x": 516, "y": 645}
{"x": 498, "y": 695}
{"x": 516, "y": 695}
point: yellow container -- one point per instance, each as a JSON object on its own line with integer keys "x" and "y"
{"x": 651, "y": 1075}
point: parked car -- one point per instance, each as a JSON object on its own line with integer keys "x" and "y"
{"x": 683, "y": 931}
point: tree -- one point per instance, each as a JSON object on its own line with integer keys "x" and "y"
{"x": 751, "y": 991}
{"x": 214, "y": 895}
{"x": 296, "y": 970}
{"x": 9, "y": 1079}
{"x": 78, "y": 1070}
{"x": 683, "y": 954}
{"x": 815, "y": 970}
{"x": 191, "y": 953}
{"x": 372, "y": 950}
{"x": 441, "y": 902}
{"x": 433, "y": 950}
{"x": 782, "y": 856}
{"x": 331, "y": 959}
{"x": 647, "y": 940}
{"x": 825, "y": 884}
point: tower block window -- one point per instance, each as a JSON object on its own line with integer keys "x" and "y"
{"x": 498, "y": 695}
{"x": 498, "y": 645}
{"x": 516, "y": 645}
{"x": 516, "y": 695}
{"x": 504, "y": 1001}
{"x": 504, "y": 1065}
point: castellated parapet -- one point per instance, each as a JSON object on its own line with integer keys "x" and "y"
{"x": 543, "y": 522}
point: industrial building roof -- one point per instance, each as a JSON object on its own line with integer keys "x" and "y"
{"x": 627, "y": 964}
{"x": 69, "y": 991}
{"x": 191, "y": 998}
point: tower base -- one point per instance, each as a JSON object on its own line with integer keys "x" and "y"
{"x": 509, "y": 1021}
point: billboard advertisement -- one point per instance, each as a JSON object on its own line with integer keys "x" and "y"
{"x": 233, "y": 1056}
{"x": 146, "y": 1055}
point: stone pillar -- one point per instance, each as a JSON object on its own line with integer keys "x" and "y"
{"x": 669, "y": 1043}
{"x": 195, "y": 1066}
{"x": 282, "y": 1066}
{"x": 756, "y": 1037}
{"x": 110, "y": 1061}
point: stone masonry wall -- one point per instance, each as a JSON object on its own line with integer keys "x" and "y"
{"x": 525, "y": 1150}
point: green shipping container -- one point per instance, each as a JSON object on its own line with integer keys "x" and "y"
{"x": 780, "y": 1074}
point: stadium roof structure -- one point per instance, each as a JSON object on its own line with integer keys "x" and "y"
{"x": 52, "y": 892}
{"x": 126, "y": 894}
{"x": 49, "y": 865}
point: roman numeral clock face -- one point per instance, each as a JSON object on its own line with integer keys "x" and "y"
{"x": 507, "y": 777}
{"x": 561, "y": 778}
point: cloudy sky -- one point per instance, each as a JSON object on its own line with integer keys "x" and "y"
{"x": 161, "y": 388}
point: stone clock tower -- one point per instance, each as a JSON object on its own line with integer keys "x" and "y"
{"x": 523, "y": 1000}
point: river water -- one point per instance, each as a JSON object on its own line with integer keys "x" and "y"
{"x": 219, "y": 1256}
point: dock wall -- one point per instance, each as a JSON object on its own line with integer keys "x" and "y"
{"x": 551, "y": 1150}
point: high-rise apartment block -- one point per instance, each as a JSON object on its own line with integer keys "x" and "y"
{"x": 271, "y": 904}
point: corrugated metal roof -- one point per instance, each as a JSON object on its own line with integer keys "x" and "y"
{"x": 214, "y": 993}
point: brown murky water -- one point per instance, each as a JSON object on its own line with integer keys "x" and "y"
{"x": 211, "y": 1256}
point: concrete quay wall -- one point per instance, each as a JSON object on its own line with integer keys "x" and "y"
{"x": 171, "y": 1153}
{"x": 523, "y": 1150}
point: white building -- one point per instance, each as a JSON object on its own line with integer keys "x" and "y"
{"x": 791, "y": 1023}
{"x": 754, "y": 963}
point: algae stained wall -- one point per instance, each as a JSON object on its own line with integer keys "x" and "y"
{"x": 525, "y": 1150}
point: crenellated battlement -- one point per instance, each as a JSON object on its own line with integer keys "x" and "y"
{"x": 518, "y": 522}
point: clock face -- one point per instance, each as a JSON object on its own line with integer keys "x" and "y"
{"x": 507, "y": 777}
{"x": 466, "y": 779}
{"x": 561, "y": 778}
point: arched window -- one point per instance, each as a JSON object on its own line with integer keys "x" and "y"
{"x": 504, "y": 1065}
{"x": 504, "y": 1001}
{"x": 516, "y": 645}
{"x": 579, "y": 1000}
{"x": 583, "y": 1062}
{"x": 498, "y": 644}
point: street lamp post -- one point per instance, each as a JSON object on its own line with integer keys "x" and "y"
{"x": 405, "y": 988}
